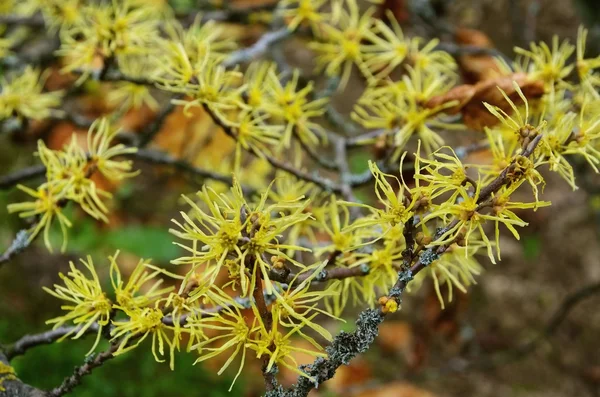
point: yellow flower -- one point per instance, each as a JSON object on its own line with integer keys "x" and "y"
{"x": 135, "y": 329}
{"x": 296, "y": 304}
{"x": 517, "y": 123}
{"x": 445, "y": 173}
{"x": 45, "y": 208}
{"x": 233, "y": 331}
{"x": 214, "y": 88}
{"x": 22, "y": 96}
{"x": 302, "y": 12}
{"x": 129, "y": 295}
{"x": 102, "y": 154}
{"x": 586, "y": 67}
{"x": 344, "y": 235}
{"x": 455, "y": 269}
{"x": 280, "y": 347}
{"x": 295, "y": 110}
{"x": 342, "y": 47}
{"x": 254, "y": 134}
{"x": 388, "y": 47}
{"x": 235, "y": 229}
{"x": 86, "y": 304}
{"x": 109, "y": 30}
{"x": 502, "y": 212}
{"x": 546, "y": 63}
{"x": 426, "y": 57}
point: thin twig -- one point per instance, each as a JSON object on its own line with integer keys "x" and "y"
{"x": 91, "y": 363}
{"x": 324, "y": 183}
{"x": 20, "y": 242}
{"x": 35, "y": 21}
{"x": 257, "y": 49}
{"x": 22, "y": 175}
{"x": 267, "y": 320}
{"x": 155, "y": 157}
{"x": 45, "y": 338}
{"x": 150, "y": 132}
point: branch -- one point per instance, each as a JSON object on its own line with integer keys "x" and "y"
{"x": 153, "y": 129}
{"x": 346, "y": 346}
{"x": 45, "y": 338}
{"x": 258, "y": 49}
{"x": 34, "y": 21}
{"x": 10, "y": 180}
{"x": 16, "y": 388}
{"x": 91, "y": 363}
{"x": 155, "y": 157}
{"x": 337, "y": 273}
{"x": 323, "y": 183}
{"x": 20, "y": 242}
{"x": 267, "y": 319}
{"x": 502, "y": 179}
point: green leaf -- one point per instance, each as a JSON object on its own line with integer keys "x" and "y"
{"x": 144, "y": 241}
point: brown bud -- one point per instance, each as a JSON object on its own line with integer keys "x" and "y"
{"x": 422, "y": 239}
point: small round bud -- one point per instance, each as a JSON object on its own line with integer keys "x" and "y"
{"x": 422, "y": 239}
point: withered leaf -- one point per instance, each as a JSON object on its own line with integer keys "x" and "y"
{"x": 470, "y": 98}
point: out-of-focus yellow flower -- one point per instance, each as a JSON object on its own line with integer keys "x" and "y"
{"x": 342, "y": 47}
{"x": 586, "y": 67}
{"x": 302, "y": 12}
{"x": 388, "y": 47}
{"x": 22, "y": 96}
{"x": 68, "y": 175}
{"x": 549, "y": 64}
{"x": 295, "y": 110}
{"x": 102, "y": 153}
{"x": 457, "y": 268}
{"x": 108, "y": 31}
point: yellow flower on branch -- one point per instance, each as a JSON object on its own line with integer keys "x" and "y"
{"x": 22, "y": 96}
{"x": 141, "y": 323}
{"x": 85, "y": 302}
{"x": 46, "y": 207}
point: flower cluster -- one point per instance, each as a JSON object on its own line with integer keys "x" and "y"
{"x": 69, "y": 175}
{"x": 22, "y": 96}
{"x": 264, "y": 261}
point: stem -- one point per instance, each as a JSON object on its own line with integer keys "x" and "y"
{"x": 267, "y": 320}
{"x": 74, "y": 380}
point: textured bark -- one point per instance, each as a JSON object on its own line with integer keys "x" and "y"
{"x": 16, "y": 388}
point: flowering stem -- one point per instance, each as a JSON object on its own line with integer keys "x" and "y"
{"x": 502, "y": 179}
{"x": 324, "y": 183}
